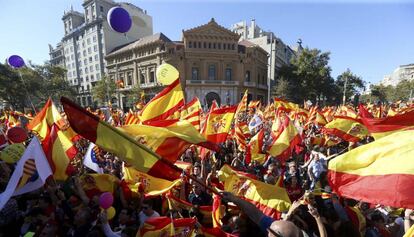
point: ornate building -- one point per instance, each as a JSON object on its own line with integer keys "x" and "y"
{"x": 213, "y": 65}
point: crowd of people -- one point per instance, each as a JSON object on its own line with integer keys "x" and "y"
{"x": 68, "y": 209}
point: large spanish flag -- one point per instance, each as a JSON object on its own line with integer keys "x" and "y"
{"x": 118, "y": 143}
{"x": 363, "y": 112}
{"x": 164, "y": 104}
{"x": 152, "y": 186}
{"x": 57, "y": 139}
{"x": 381, "y": 172}
{"x": 168, "y": 138}
{"x": 164, "y": 226}
{"x": 285, "y": 139}
{"x": 346, "y": 128}
{"x": 192, "y": 113}
{"x": 270, "y": 199}
{"x": 283, "y": 105}
{"x": 218, "y": 124}
{"x": 380, "y": 127}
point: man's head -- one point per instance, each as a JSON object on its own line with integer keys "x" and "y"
{"x": 124, "y": 216}
{"x": 284, "y": 229}
{"x": 147, "y": 208}
{"x": 83, "y": 217}
{"x": 197, "y": 169}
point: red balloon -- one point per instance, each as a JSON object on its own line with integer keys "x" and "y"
{"x": 17, "y": 135}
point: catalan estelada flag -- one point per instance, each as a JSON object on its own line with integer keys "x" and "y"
{"x": 380, "y": 127}
{"x": 381, "y": 172}
{"x": 168, "y": 138}
{"x": 164, "y": 226}
{"x": 192, "y": 113}
{"x": 270, "y": 199}
{"x": 152, "y": 186}
{"x": 285, "y": 139}
{"x": 57, "y": 139}
{"x": 122, "y": 145}
{"x": 164, "y": 104}
{"x": 218, "y": 124}
{"x": 346, "y": 128}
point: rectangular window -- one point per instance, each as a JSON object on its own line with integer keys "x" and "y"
{"x": 129, "y": 78}
{"x": 98, "y": 76}
{"x": 94, "y": 38}
{"x": 228, "y": 74}
{"x": 101, "y": 8}
{"x": 96, "y": 67}
{"x": 199, "y": 45}
{"x": 85, "y": 62}
{"x": 90, "y": 59}
{"x": 219, "y": 45}
{"x": 142, "y": 77}
{"x": 89, "y": 50}
{"x": 86, "y": 78}
{"x": 224, "y": 46}
{"x": 88, "y": 41}
{"x": 212, "y": 72}
{"x": 95, "y": 48}
{"x": 152, "y": 76}
{"x": 91, "y": 68}
{"x": 194, "y": 73}
{"x": 214, "y": 45}
{"x": 247, "y": 76}
{"x": 96, "y": 57}
{"x": 205, "y": 45}
{"x": 209, "y": 45}
{"x": 190, "y": 44}
{"x": 86, "y": 70}
{"x": 84, "y": 53}
{"x": 92, "y": 78}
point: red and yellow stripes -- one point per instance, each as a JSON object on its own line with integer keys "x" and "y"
{"x": 118, "y": 143}
{"x": 131, "y": 119}
{"x": 165, "y": 226}
{"x": 346, "y": 128}
{"x": 218, "y": 124}
{"x": 192, "y": 113}
{"x": 270, "y": 199}
{"x": 380, "y": 172}
{"x": 285, "y": 139}
{"x": 381, "y": 127}
{"x": 164, "y": 104}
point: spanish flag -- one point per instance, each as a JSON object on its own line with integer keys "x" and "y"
{"x": 164, "y": 226}
{"x": 363, "y": 112}
{"x": 285, "y": 139}
{"x": 164, "y": 104}
{"x": 177, "y": 204}
{"x": 168, "y": 138}
{"x": 57, "y": 139}
{"x": 346, "y": 128}
{"x": 152, "y": 186}
{"x": 218, "y": 211}
{"x": 410, "y": 232}
{"x": 192, "y": 113}
{"x": 379, "y": 172}
{"x": 218, "y": 124}
{"x": 270, "y": 199}
{"x": 101, "y": 182}
{"x": 256, "y": 146}
{"x": 118, "y": 143}
{"x": 381, "y": 127}
{"x": 283, "y": 105}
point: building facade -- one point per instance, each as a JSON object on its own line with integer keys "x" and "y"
{"x": 56, "y": 55}
{"x": 88, "y": 37}
{"x": 212, "y": 62}
{"x": 279, "y": 53}
{"x": 403, "y": 72}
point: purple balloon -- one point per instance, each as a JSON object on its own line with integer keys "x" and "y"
{"x": 106, "y": 200}
{"x": 15, "y": 61}
{"x": 119, "y": 19}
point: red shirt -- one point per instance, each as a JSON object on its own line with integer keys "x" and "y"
{"x": 294, "y": 193}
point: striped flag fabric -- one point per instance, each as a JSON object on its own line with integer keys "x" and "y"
{"x": 57, "y": 139}
{"x": 131, "y": 119}
{"x": 118, "y": 143}
{"x": 30, "y": 173}
{"x": 192, "y": 113}
{"x": 346, "y": 128}
{"x": 272, "y": 200}
{"x": 90, "y": 159}
{"x": 256, "y": 146}
{"x": 164, "y": 104}
{"x": 168, "y": 138}
{"x": 164, "y": 226}
{"x": 218, "y": 124}
{"x": 381, "y": 127}
{"x": 381, "y": 172}
{"x": 285, "y": 139}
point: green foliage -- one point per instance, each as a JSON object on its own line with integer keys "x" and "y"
{"x": 309, "y": 77}
{"x": 133, "y": 95}
{"x": 104, "y": 90}
{"x": 33, "y": 84}
{"x": 390, "y": 94}
{"x": 353, "y": 85}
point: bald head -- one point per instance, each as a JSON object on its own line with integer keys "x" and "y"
{"x": 284, "y": 229}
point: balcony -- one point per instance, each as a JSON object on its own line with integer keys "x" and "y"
{"x": 211, "y": 82}
{"x": 250, "y": 84}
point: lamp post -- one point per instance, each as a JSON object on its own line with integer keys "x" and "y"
{"x": 344, "y": 97}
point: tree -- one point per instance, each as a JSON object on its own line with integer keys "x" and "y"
{"x": 283, "y": 89}
{"x": 354, "y": 83}
{"x": 309, "y": 77}
{"x": 133, "y": 95}
{"x": 33, "y": 84}
{"x": 104, "y": 90}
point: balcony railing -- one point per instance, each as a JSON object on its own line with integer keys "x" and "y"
{"x": 212, "y": 82}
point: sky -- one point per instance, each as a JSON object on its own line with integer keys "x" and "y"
{"x": 371, "y": 38}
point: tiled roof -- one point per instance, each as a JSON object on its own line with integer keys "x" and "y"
{"x": 140, "y": 42}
